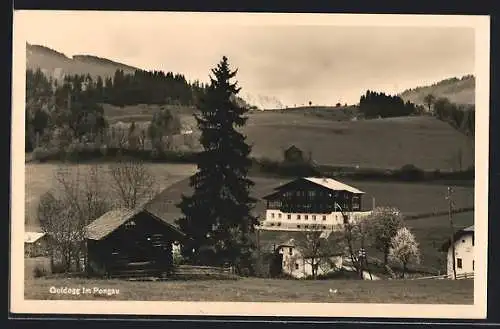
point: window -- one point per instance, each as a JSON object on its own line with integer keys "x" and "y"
{"x": 307, "y": 226}
{"x": 272, "y": 224}
{"x": 473, "y": 265}
{"x": 324, "y": 227}
{"x": 312, "y": 193}
{"x": 306, "y": 217}
{"x": 459, "y": 262}
{"x": 130, "y": 224}
{"x": 298, "y": 226}
{"x": 324, "y": 217}
{"x": 290, "y": 251}
{"x": 463, "y": 241}
{"x": 279, "y": 215}
{"x": 298, "y": 216}
{"x": 314, "y": 217}
{"x": 289, "y": 216}
{"x": 355, "y": 203}
{"x": 279, "y": 224}
{"x": 296, "y": 266}
{"x": 272, "y": 215}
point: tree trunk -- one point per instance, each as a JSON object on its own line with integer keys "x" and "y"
{"x": 404, "y": 271}
{"x": 386, "y": 255}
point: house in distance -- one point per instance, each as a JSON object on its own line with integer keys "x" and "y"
{"x": 291, "y": 261}
{"x": 312, "y": 201}
{"x": 464, "y": 253}
{"x": 36, "y": 244}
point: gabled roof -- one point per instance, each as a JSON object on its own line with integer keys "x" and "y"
{"x": 32, "y": 237}
{"x": 328, "y": 183}
{"x": 465, "y": 231}
{"x": 333, "y": 184}
{"x": 113, "y": 219}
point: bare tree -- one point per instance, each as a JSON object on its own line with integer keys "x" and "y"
{"x": 64, "y": 212}
{"x": 316, "y": 249}
{"x": 429, "y": 100}
{"x": 132, "y": 183}
{"x": 355, "y": 235}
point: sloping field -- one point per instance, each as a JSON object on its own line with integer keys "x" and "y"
{"x": 385, "y": 143}
{"x": 39, "y": 178}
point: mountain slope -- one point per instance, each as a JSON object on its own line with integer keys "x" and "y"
{"x": 56, "y": 64}
{"x": 457, "y": 90}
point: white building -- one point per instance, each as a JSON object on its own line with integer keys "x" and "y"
{"x": 35, "y": 244}
{"x": 311, "y": 202}
{"x": 293, "y": 263}
{"x": 464, "y": 253}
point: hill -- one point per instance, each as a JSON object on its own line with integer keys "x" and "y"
{"x": 333, "y": 138}
{"x": 457, "y": 90}
{"x": 56, "y": 64}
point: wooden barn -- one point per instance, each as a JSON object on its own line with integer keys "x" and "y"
{"x": 128, "y": 243}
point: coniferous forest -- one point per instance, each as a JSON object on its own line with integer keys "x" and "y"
{"x": 374, "y": 104}
{"x": 72, "y": 106}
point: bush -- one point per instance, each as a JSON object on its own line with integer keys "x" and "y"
{"x": 410, "y": 172}
{"x": 43, "y": 154}
{"x": 39, "y": 272}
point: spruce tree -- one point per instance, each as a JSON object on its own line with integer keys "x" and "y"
{"x": 217, "y": 216}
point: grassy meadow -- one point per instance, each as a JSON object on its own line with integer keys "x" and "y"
{"x": 333, "y": 139}
{"x": 266, "y": 290}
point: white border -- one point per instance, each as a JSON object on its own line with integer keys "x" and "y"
{"x": 481, "y": 24}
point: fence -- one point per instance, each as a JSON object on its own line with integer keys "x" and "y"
{"x": 460, "y": 276}
{"x": 204, "y": 272}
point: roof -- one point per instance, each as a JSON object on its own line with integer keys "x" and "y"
{"x": 31, "y": 237}
{"x": 333, "y": 184}
{"x": 465, "y": 231}
{"x": 293, "y": 148}
{"x": 113, "y": 219}
{"x": 164, "y": 204}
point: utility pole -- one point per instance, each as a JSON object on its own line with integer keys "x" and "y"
{"x": 452, "y": 231}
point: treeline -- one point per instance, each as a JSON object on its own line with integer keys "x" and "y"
{"x": 460, "y": 116}
{"x": 374, "y": 104}
{"x": 61, "y": 113}
{"x": 147, "y": 87}
{"x": 64, "y": 110}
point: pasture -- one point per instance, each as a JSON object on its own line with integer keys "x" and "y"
{"x": 266, "y": 290}
{"x": 39, "y": 178}
{"x": 333, "y": 139}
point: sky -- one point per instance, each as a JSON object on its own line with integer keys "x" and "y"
{"x": 296, "y": 63}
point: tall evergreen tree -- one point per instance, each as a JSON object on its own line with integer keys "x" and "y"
{"x": 217, "y": 216}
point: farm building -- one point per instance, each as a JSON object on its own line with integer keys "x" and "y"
{"x": 308, "y": 201}
{"x": 36, "y": 244}
{"x": 126, "y": 242}
{"x": 293, "y": 263}
{"x": 293, "y": 154}
{"x": 464, "y": 252}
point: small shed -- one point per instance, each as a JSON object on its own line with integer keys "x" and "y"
{"x": 36, "y": 244}
{"x": 126, "y": 243}
{"x": 293, "y": 154}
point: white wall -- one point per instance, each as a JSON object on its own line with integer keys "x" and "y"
{"x": 278, "y": 220}
{"x": 464, "y": 250}
{"x": 295, "y": 265}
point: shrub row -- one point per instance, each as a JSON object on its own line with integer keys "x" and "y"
{"x": 89, "y": 153}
